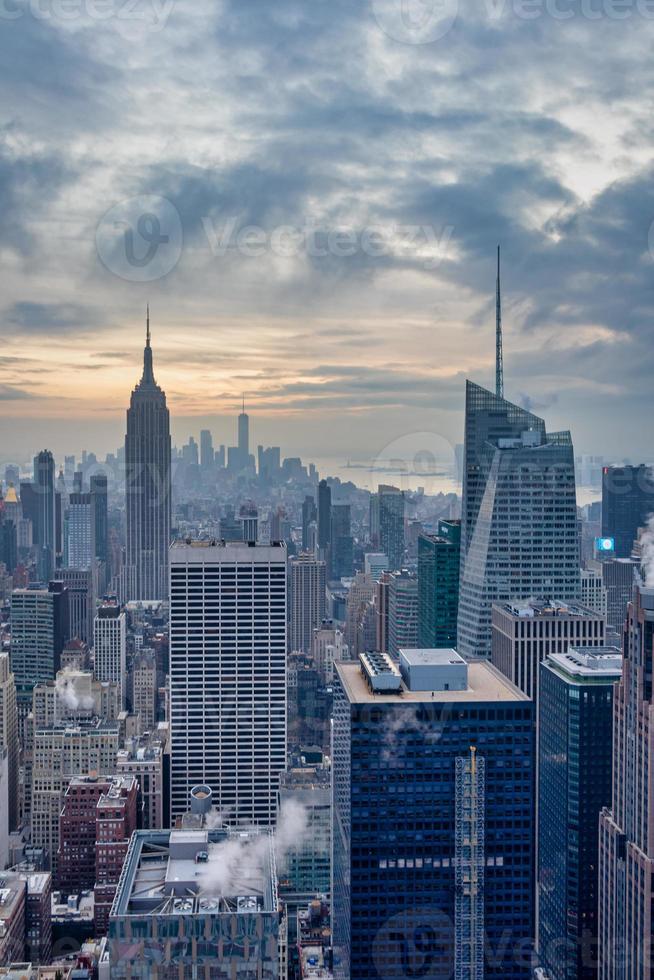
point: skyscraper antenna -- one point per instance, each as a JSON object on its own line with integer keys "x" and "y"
{"x": 499, "y": 355}
{"x": 244, "y": 403}
{"x": 147, "y": 325}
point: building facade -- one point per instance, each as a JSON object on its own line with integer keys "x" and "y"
{"x": 308, "y": 600}
{"x": 228, "y": 611}
{"x": 519, "y": 534}
{"x": 402, "y": 611}
{"x": 626, "y": 852}
{"x": 525, "y": 633}
{"x": 110, "y": 647}
{"x": 439, "y": 559}
{"x": 575, "y": 716}
{"x": 627, "y": 504}
{"x": 432, "y": 824}
{"x": 147, "y": 488}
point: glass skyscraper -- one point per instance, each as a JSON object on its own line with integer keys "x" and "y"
{"x": 627, "y": 503}
{"x": 438, "y": 585}
{"x": 575, "y": 739}
{"x": 519, "y": 535}
{"x": 433, "y": 821}
{"x": 391, "y": 525}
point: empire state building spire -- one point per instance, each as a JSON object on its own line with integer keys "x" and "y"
{"x": 148, "y": 374}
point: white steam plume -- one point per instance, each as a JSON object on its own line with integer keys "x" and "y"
{"x": 646, "y": 541}
{"x": 67, "y": 693}
{"x": 238, "y": 860}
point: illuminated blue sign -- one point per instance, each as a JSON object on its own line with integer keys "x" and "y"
{"x": 604, "y": 544}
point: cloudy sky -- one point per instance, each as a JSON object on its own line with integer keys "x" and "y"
{"x": 309, "y": 194}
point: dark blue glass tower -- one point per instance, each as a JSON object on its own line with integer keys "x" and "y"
{"x": 575, "y": 750}
{"x": 432, "y": 823}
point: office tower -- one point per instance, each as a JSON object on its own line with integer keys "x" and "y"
{"x": 327, "y": 646}
{"x": 324, "y": 517}
{"x": 342, "y": 545}
{"x": 4, "y": 807}
{"x": 305, "y": 867}
{"x": 77, "y": 832}
{"x": 219, "y": 457}
{"x": 433, "y": 820}
{"x": 148, "y": 488}
{"x": 45, "y": 523}
{"x": 402, "y": 612}
{"x": 618, "y": 582}
{"x": 81, "y": 531}
{"x": 110, "y": 647}
{"x": 38, "y": 916}
{"x": 206, "y": 451}
{"x": 374, "y": 563}
{"x": 147, "y": 759}
{"x": 575, "y": 723}
{"x": 373, "y": 519}
{"x": 307, "y": 600}
{"x": 526, "y": 632}
{"x": 231, "y": 529}
{"x": 309, "y": 517}
{"x": 391, "y": 525}
{"x": 218, "y": 886}
{"x": 100, "y": 506}
{"x": 143, "y": 677}
{"x": 80, "y": 586}
{"x": 8, "y": 542}
{"x": 249, "y": 518}
{"x": 626, "y": 852}
{"x": 627, "y": 504}
{"x": 61, "y": 751}
{"x": 39, "y": 630}
{"x": 244, "y": 437}
{"x": 382, "y": 599}
{"x": 228, "y": 675}
{"x": 13, "y": 916}
{"x": 9, "y": 735}
{"x": 361, "y": 591}
{"x": 115, "y": 822}
{"x": 439, "y": 558}
{"x": 593, "y": 591}
{"x": 519, "y": 533}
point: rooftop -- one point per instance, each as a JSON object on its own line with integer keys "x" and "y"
{"x": 203, "y": 552}
{"x": 195, "y": 872}
{"x": 432, "y": 658}
{"x": 540, "y": 607}
{"x": 588, "y": 663}
{"x": 485, "y": 683}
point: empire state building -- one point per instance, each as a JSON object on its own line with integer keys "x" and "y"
{"x": 147, "y": 487}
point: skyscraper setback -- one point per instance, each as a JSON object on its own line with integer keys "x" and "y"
{"x": 519, "y": 533}
{"x": 147, "y": 487}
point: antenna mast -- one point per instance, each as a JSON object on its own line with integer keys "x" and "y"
{"x": 499, "y": 355}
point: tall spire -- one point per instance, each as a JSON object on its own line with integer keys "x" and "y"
{"x": 499, "y": 355}
{"x": 243, "y": 403}
{"x": 148, "y": 374}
